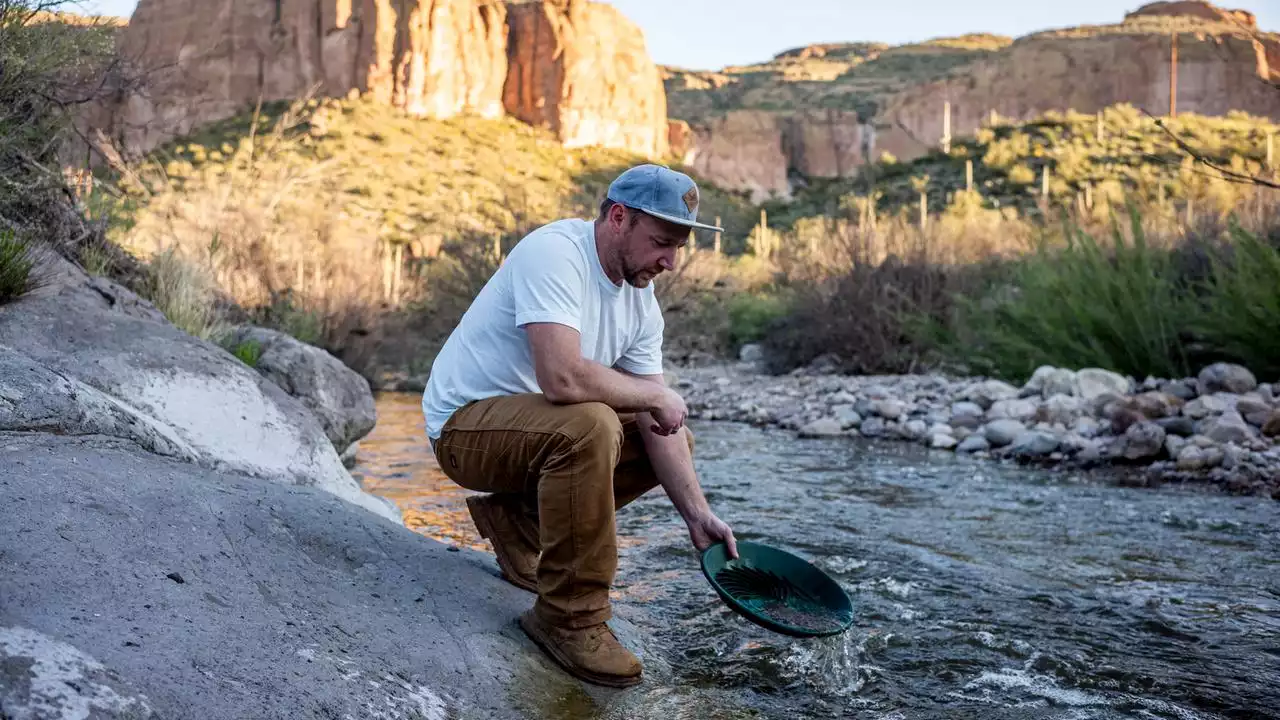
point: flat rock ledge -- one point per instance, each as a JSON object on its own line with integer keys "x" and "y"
{"x": 1221, "y": 427}
{"x": 134, "y": 585}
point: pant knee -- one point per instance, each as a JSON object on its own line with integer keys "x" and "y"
{"x": 595, "y": 423}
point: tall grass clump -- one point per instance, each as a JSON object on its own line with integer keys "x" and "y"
{"x": 1238, "y": 317}
{"x": 186, "y": 293}
{"x": 16, "y": 267}
{"x": 1119, "y": 306}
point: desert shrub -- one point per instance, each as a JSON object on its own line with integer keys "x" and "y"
{"x": 16, "y": 267}
{"x": 1121, "y": 306}
{"x": 185, "y": 291}
{"x": 248, "y": 352}
{"x": 1238, "y": 314}
{"x": 752, "y": 315}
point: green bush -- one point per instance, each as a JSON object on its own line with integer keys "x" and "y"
{"x": 1239, "y": 309}
{"x": 248, "y": 352}
{"x": 752, "y": 315}
{"x": 16, "y": 266}
{"x": 1123, "y": 308}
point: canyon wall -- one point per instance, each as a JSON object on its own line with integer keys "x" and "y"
{"x": 579, "y": 68}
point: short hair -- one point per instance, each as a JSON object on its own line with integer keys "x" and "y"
{"x": 633, "y": 214}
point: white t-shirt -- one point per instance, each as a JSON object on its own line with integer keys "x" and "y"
{"x": 553, "y": 275}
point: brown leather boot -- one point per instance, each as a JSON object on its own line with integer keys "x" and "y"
{"x": 592, "y": 654}
{"x": 501, "y": 522}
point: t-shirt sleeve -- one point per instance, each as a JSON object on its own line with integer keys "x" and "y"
{"x": 547, "y": 281}
{"x": 644, "y": 356}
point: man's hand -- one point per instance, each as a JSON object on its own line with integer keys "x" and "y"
{"x": 706, "y": 530}
{"x": 669, "y": 414}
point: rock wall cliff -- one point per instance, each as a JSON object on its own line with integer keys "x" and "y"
{"x": 206, "y": 61}
{"x": 1216, "y": 74}
{"x": 582, "y": 70}
{"x": 579, "y": 68}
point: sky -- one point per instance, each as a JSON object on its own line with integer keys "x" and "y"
{"x": 710, "y": 34}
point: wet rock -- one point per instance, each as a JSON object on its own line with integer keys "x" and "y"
{"x": 940, "y": 441}
{"x": 1225, "y": 377}
{"x": 873, "y": 427}
{"x": 1073, "y": 443}
{"x": 914, "y": 429}
{"x": 889, "y": 409}
{"x": 823, "y": 427}
{"x": 987, "y": 392}
{"x": 1013, "y": 409}
{"x": 1048, "y": 381}
{"x": 1271, "y": 428}
{"x": 1181, "y": 425}
{"x": 1002, "y": 432}
{"x": 1184, "y": 390}
{"x": 1229, "y": 428}
{"x": 972, "y": 444}
{"x": 847, "y": 416}
{"x": 1268, "y": 393}
{"x": 1086, "y": 427}
{"x": 1233, "y": 456}
{"x": 751, "y": 353}
{"x": 1034, "y": 444}
{"x": 1059, "y": 408}
{"x": 842, "y": 397}
{"x": 1206, "y": 405}
{"x": 1122, "y": 417}
{"x": 1155, "y": 405}
{"x": 1092, "y": 382}
{"x": 1254, "y": 409}
{"x": 1090, "y": 454}
{"x": 966, "y": 414}
{"x": 1213, "y": 456}
{"x": 941, "y": 429}
{"x": 1143, "y": 440}
{"x": 1192, "y": 458}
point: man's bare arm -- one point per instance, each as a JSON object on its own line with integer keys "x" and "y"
{"x": 673, "y": 465}
{"x": 568, "y": 378}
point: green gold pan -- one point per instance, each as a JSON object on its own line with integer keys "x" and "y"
{"x": 778, "y": 590}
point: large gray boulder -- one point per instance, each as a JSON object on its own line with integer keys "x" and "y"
{"x": 338, "y": 396}
{"x": 208, "y": 594}
{"x": 80, "y": 348}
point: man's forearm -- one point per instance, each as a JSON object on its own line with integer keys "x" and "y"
{"x": 673, "y": 466}
{"x": 593, "y": 382}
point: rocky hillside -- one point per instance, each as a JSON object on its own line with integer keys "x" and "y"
{"x": 542, "y": 62}
{"x": 823, "y": 111}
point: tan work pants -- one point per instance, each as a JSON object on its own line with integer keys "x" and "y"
{"x": 573, "y": 467}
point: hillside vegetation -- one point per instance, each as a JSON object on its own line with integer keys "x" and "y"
{"x": 1094, "y": 163}
{"x": 851, "y": 76}
{"x": 338, "y": 220}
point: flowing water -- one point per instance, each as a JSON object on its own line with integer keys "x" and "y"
{"x": 980, "y": 591}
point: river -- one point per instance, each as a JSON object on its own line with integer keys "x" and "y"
{"x": 981, "y": 590}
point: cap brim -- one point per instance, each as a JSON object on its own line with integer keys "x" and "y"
{"x": 682, "y": 221}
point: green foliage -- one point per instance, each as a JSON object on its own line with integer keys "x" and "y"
{"x": 45, "y": 63}
{"x": 248, "y": 352}
{"x": 1133, "y": 160}
{"x": 1239, "y": 311}
{"x": 752, "y": 315}
{"x": 1122, "y": 307}
{"x": 16, "y": 265}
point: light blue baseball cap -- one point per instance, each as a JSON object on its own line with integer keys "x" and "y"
{"x": 661, "y": 192}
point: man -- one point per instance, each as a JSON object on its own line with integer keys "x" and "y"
{"x": 549, "y": 395}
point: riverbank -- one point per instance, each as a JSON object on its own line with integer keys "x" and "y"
{"x": 1220, "y": 427}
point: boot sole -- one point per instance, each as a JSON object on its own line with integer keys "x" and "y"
{"x": 613, "y": 681}
{"x": 487, "y": 532}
